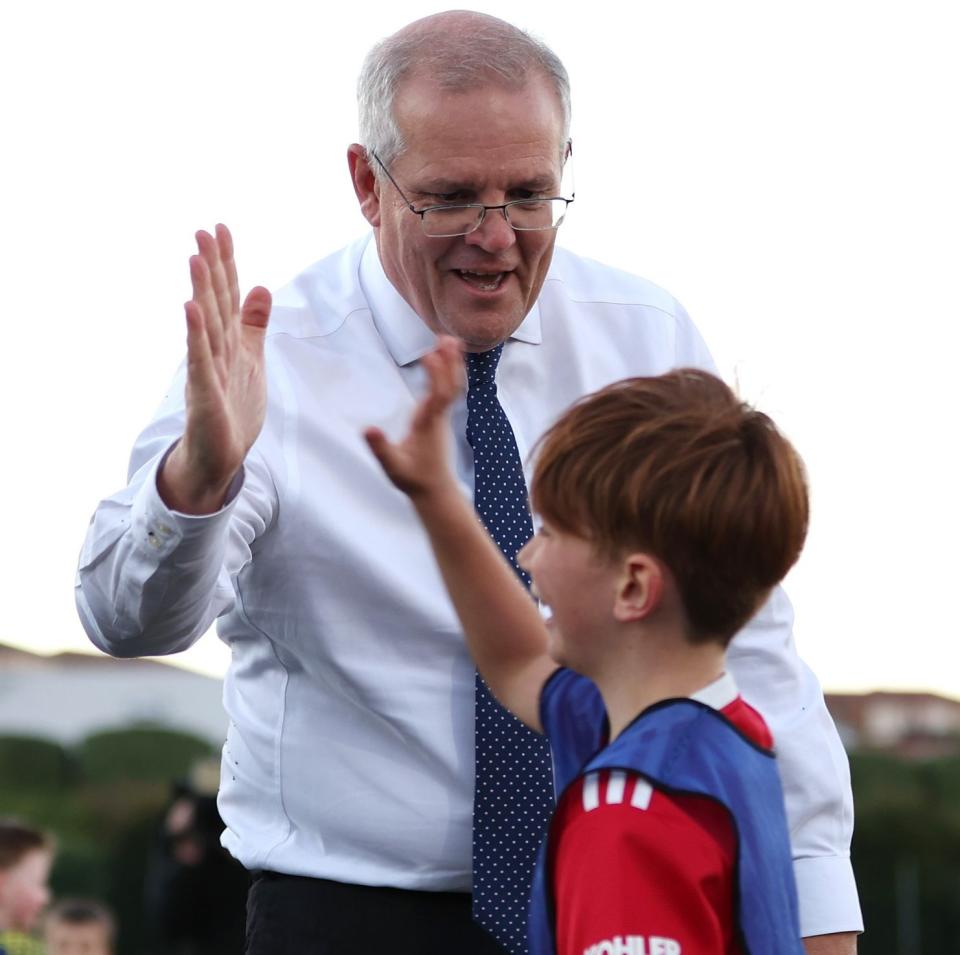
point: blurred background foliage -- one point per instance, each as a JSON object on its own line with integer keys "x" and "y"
{"x": 105, "y": 800}
{"x": 906, "y": 853}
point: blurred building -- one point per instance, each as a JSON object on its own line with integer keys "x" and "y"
{"x": 71, "y": 695}
{"x": 910, "y": 725}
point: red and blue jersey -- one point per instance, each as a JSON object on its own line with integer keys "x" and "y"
{"x": 670, "y": 840}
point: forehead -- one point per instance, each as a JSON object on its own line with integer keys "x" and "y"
{"x": 79, "y": 936}
{"x": 77, "y": 932}
{"x": 34, "y": 866}
{"x": 481, "y": 133}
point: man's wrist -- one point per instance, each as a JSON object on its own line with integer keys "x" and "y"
{"x": 183, "y": 491}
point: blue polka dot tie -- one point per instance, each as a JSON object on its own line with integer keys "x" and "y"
{"x": 513, "y": 797}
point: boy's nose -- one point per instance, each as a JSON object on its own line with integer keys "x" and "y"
{"x": 525, "y": 554}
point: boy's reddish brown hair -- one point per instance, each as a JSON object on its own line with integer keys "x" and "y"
{"x": 679, "y": 467}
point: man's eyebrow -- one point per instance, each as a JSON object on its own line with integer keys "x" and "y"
{"x": 441, "y": 186}
{"x": 542, "y": 183}
{"x": 537, "y": 183}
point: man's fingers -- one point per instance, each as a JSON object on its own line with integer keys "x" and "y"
{"x": 199, "y": 355}
{"x": 256, "y": 307}
{"x": 225, "y": 243}
{"x": 206, "y": 302}
{"x": 210, "y": 251}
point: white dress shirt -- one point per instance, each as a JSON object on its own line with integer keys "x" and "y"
{"x": 349, "y": 753}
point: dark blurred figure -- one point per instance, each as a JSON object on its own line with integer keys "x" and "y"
{"x": 195, "y": 891}
{"x": 79, "y": 927}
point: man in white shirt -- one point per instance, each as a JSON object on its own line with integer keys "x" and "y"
{"x": 348, "y": 769}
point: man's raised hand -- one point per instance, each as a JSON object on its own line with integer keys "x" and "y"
{"x": 226, "y": 384}
{"x": 418, "y": 464}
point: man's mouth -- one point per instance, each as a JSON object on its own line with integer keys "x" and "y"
{"x": 482, "y": 281}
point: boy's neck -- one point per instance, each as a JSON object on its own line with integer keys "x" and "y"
{"x": 651, "y": 670}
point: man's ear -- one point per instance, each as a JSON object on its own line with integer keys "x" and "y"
{"x": 365, "y": 184}
{"x": 640, "y": 588}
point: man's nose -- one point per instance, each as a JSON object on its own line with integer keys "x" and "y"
{"x": 495, "y": 234}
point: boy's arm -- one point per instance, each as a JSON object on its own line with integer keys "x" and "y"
{"x": 839, "y": 943}
{"x": 506, "y": 635}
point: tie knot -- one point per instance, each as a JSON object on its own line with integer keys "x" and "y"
{"x": 482, "y": 367}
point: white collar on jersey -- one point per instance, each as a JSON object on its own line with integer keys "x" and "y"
{"x": 722, "y": 692}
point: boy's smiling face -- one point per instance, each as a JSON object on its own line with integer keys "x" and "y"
{"x": 579, "y": 589}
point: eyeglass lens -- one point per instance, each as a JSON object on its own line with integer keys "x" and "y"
{"x": 460, "y": 220}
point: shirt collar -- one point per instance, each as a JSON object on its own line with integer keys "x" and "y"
{"x": 403, "y": 331}
{"x": 722, "y": 692}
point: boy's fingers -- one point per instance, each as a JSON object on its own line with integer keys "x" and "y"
{"x": 385, "y": 453}
{"x": 436, "y": 398}
{"x": 442, "y": 368}
{"x": 378, "y": 444}
{"x": 451, "y": 352}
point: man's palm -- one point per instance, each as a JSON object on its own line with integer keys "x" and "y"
{"x": 226, "y": 385}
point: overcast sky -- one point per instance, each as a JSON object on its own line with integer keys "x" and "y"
{"x": 789, "y": 171}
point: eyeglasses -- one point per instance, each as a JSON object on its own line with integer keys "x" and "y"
{"x": 523, "y": 215}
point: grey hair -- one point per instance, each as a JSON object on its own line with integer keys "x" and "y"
{"x": 479, "y": 49}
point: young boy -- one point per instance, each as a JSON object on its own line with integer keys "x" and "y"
{"x": 669, "y": 511}
{"x": 79, "y": 927}
{"x": 26, "y": 855}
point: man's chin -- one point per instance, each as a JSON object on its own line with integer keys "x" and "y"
{"x": 481, "y": 329}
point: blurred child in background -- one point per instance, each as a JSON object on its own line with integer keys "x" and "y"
{"x": 26, "y": 855}
{"x": 79, "y": 927}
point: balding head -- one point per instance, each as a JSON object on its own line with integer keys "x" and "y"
{"x": 459, "y": 50}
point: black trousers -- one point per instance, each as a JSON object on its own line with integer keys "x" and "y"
{"x": 295, "y": 915}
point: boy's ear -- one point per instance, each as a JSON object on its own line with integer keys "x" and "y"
{"x": 640, "y": 588}
{"x": 365, "y": 184}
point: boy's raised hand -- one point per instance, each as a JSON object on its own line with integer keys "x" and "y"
{"x": 504, "y": 631}
{"x": 417, "y": 465}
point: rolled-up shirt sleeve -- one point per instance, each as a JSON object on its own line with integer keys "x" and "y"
{"x": 813, "y": 766}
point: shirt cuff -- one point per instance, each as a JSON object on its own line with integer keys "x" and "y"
{"x": 158, "y": 530}
{"x": 828, "y": 896}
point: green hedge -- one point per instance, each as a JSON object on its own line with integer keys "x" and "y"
{"x": 143, "y": 753}
{"x": 27, "y": 762}
{"x": 906, "y": 854}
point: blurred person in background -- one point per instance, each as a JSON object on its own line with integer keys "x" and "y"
{"x": 195, "y": 890}
{"x": 26, "y": 856}
{"x": 79, "y": 927}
